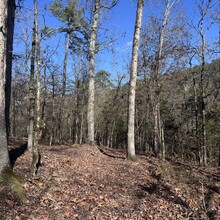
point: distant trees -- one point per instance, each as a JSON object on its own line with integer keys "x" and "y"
{"x": 163, "y": 43}
{"x": 76, "y": 104}
{"x": 69, "y": 14}
{"x": 206, "y": 14}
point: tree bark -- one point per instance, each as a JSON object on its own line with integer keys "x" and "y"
{"x": 91, "y": 90}
{"x": 31, "y": 86}
{"x": 133, "y": 78}
{"x": 4, "y": 156}
{"x": 62, "y": 107}
{"x": 10, "y": 35}
{"x": 202, "y": 94}
{"x": 203, "y": 147}
{"x": 35, "y": 148}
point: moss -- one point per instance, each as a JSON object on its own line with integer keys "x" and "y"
{"x": 75, "y": 145}
{"x": 132, "y": 159}
{"x": 8, "y": 178}
{"x": 2, "y": 217}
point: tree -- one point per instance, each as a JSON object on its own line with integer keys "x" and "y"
{"x": 37, "y": 121}
{"x": 92, "y": 50}
{"x": 10, "y": 35}
{"x": 133, "y": 79}
{"x": 205, "y": 9}
{"x": 7, "y": 176}
{"x": 91, "y": 89}
{"x": 4, "y": 162}
{"x": 31, "y": 85}
{"x": 74, "y": 21}
{"x": 161, "y": 47}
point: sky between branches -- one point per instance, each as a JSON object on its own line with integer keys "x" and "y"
{"x": 120, "y": 24}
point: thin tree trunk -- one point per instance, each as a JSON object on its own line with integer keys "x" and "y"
{"x": 91, "y": 90}
{"x": 157, "y": 89}
{"x": 31, "y": 88}
{"x": 44, "y": 103}
{"x": 156, "y": 130}
{"x": 13, "y": 124}
{"x": 62, "y": 107}
{"x": 202, "y": 94}
{"x": 196, "y": 127}
{"x": 35, "y": 148}
{"x": 133, "y": 78}
{"x": 26, "y": 55}
{"x": 53, "y": 115}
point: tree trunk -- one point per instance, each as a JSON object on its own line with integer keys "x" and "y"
{"x": 10, "y": 35}
{"x": 157, "y": 119}
{"x": 53, "y": 113}
{"x": 133, "y": 78}
{"x": 35, "y": 148}
{"x": 202, "y": 94}
{"x": 62, "y": 107}
{"x": 91, "y": 90}
{"x": 31, "y": 87}
{"x": 4, "y": 157}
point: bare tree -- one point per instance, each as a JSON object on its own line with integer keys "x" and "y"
{"x": 6, "y": 41}
{"x": 158, "y": 125}
{"x": 4, "y": 162}
{"x": 91, "y": 91}
{"x": 31, "y": 85}
{"x": 92, "y": 50}
{"x": 37, "y": 121}
{"x": 133, "y": 79}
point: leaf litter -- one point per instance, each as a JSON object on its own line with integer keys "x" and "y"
{"x": 84, "y": 182}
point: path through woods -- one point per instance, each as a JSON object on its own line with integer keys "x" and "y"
{"x": 81, "y": 182}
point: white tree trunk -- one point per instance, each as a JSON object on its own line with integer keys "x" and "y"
{"x": 157, "y": 123}
{"x": 91, "y": 90}
{"x": 133, "y": 78}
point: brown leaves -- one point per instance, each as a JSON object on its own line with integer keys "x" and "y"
{"x": 82, "y": 183}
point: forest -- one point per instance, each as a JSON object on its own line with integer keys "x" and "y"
{"x": 109, "y": 109}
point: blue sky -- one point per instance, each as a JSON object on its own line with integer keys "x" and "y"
{"x": 120, "y": 24}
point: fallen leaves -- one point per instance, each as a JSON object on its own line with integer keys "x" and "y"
{"x": 80, "y": 182}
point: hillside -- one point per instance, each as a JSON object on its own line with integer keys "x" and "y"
{"x": 83, "y": 182}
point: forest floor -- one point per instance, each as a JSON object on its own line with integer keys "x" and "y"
{"x": 82, "y": 182}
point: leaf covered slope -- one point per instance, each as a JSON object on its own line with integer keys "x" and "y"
{"x": 83, "y": 182}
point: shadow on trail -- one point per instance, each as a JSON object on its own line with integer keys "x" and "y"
{"x": 108, "y": 154}
{"x": 161, "y": 190}
{"x": 15, "y": 153}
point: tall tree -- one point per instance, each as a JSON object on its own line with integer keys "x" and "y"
{"x": 72, "y": 17}
{"x": 92, "y": 50}
{"x": 37, "y": 121}
{"x": 91, "y": 90}
{"x": 10, "y": 35}
{"x": 4, "y": 160}
{"x": 31, "y": 84}
{"x": 6, "y": 41}
{"x": 133, "y": 79}
{"x": 204, "y": 8}
{"x": 158, "y": 127}
{"x": 7, "y": 13}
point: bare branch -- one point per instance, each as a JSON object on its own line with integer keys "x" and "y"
{"x": 114, "y": 3}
